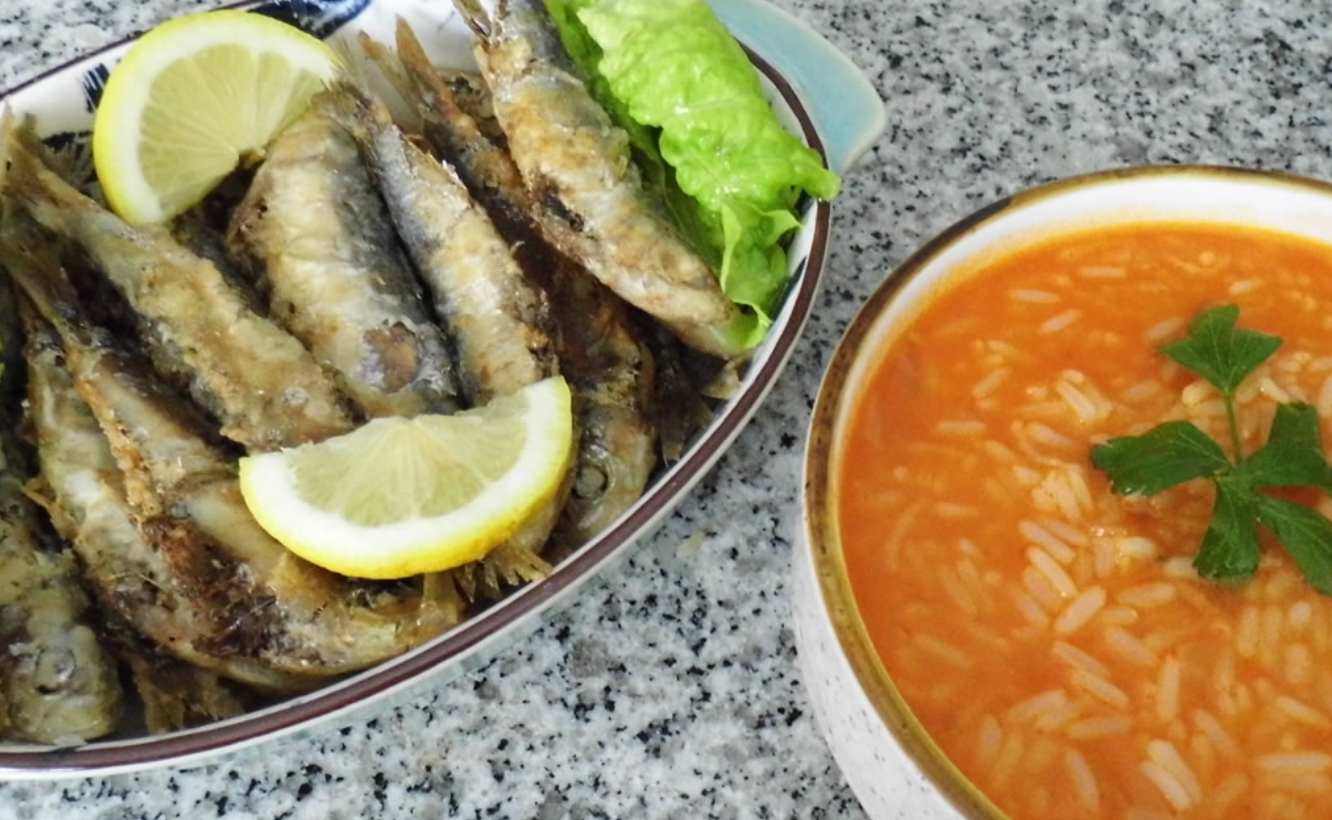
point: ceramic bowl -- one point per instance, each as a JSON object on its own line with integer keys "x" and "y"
{"x": 894, "y": 768}
{"x": 841, "y": 121}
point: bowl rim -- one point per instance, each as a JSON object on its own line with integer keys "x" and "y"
{"x": 194, "y": 746}
{"x": 819, "y": 510}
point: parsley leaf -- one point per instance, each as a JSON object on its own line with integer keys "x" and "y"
{"x": 1229, "y": 551}
{"x": 1168, "y": 454}
{"x": 1293, "y": 455}
{"x": 1305, "y": 534}
{"x": 1218, "y": 352}
{"x": 1177, "y": 451}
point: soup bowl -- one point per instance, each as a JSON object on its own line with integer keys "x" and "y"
{"x": 895, "y": 768}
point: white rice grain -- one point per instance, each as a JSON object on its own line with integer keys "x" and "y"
{"x": 1077, "y": 401}
{"x": 1103, "y": 271}
{"x": 1053, "y": 572}
{"x": 1066, "y": 532}
{"x": 1227, "y": 793}
{"x": 1118, "y": 616}
{"x": 1125, "y": 645}
{"x": 1000, "y": 452}
{"x": 897, "y": 534}
{"x": 1036, "y": 705}
{"x": 1167, "y": 690}
{"x": 1032, "y": 611}
{"x": 1079, "y": 659}
{"x": 1165, "y": 753}
{"x": 1246, "y": 635}
{"x": 946, "y": 509}
{"x": 1302, "y": 712}
{"x": 1084, "y": 781}
{"x": 1274, "y": 391}
{"x": 1312, "y": 783}
{"x": 1042, "y": 537}
{"x": 1010, "y": 754}
{"x": 1045, "y": 434}
{"x": 1301, "y": 761}
{"x": 1324, "y": 401}
{"x": 1170, "y": 787}
{"x": 1179, "y": 566}
{"x": 1097, "y": 727}
{"x": 1146, "y": 596}
{"x": 1162, "y": 330}
{"x": 1209, "y": 725}
{"x": 1103, "y": 556}
{"x": 1270, "y": 634}
{"x": 1039, "y": 297}
{"x": 959, "y": 593}
{"x": 1243, "y": 286}
{"x": 1058, "y": 322}
{"x": 1141, "y": 391}
{"x": 1133, "y": 549}
{"x": 990, "y": 383}
{"x": 1301, "y": 612}
{"x": 989, "y": 739}
{"x": 960, "y": 427}
{"x": 1100, "y": 688}
{"x": 1041, "y": 590}
{"x": 1197, "y": 392}
{"x": 1299, "y": 665}
{"x": 944, "y": 651}
{"x": 1080, "y": 611}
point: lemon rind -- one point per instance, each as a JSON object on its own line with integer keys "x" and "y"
{"x": 420, "y": 545}
{"x": 116, "y": 140}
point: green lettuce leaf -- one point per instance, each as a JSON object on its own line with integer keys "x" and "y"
{"x": 669, "y": 72}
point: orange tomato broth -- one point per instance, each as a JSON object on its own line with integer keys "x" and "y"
{"x": 1159, "y": 694}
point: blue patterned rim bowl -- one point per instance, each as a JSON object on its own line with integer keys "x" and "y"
{"x": 818, "y": 94}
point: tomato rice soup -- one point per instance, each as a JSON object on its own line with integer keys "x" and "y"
{"x": 1053, "y": 638}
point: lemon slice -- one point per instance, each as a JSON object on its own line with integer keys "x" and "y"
{"x": 399, "y": 496}
{"x": 191, "y": 99}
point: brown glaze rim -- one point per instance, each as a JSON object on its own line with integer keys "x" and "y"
{"x": 822, "y": 530}
{"x": 193, "y": 745}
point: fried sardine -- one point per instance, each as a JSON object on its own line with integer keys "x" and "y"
{"x": 319, "y": 239}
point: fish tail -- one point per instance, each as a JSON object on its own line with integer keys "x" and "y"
{"x": 388, "y": 65}
{"x": 359, "y": 113}
{"x": 416, "y": 65}
{"x": 478, "y": 17}
{"x": 29, "y": 184}
{"x": 40, "y": 275}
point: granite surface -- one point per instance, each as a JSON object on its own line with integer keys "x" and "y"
{"x": 670, "y": 691}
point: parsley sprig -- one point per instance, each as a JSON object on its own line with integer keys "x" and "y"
{"x": 1177, "y": 451}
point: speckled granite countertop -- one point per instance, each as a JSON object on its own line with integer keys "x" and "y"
{"x": 670, "y": 690}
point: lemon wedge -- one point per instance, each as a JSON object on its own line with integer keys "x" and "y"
{"x": 400, "y": 496}
{"x": 194, "y": 97}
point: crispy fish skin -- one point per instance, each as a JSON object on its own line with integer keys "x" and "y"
{"x": 266, "y": 603}
{"x": 57, "y": 683}
{"x": 318, "y": 237}
{"x": 85, "y": 495}
{"x": 600, "y": 349}
{"x": 498, "y": 321}
{"x": 256, "y": 378}
{"x": 577, "y": 164}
